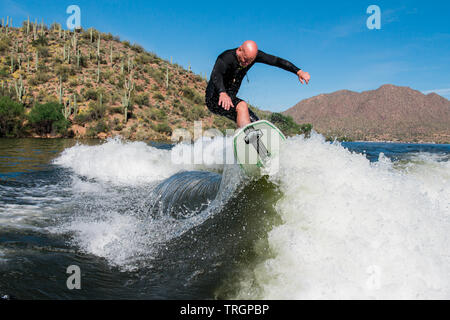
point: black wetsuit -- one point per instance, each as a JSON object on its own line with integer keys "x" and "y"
{"x": 227, "y": 77}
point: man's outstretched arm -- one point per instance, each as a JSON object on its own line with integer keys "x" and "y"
{"x": 269, "y": 59}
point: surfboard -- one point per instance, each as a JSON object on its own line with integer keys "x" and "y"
{"x": 257, "y": 146}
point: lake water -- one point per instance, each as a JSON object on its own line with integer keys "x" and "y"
{"x": 350, "y": 220}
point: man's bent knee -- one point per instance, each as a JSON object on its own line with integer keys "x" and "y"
{"x": 242, "y": 106}
{"x": 243, "y": 116}
{"x": 243, "y": 109}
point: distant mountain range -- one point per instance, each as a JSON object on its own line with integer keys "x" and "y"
{"x": 390, "y": 113}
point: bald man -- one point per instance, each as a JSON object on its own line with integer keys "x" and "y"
{"x": 225, "y": 80}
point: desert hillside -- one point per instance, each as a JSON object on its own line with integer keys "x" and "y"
{"x": 390, "y": 113}
{"x": 103, "y": 85}
{"x": 85, "y": 83}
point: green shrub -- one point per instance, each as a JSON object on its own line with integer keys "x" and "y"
{"x": 107, "y": 36}
{"x": 157, "y": 75}
{"x": 47, "y": 118}
{"x": 73, "y": 83}
{"x": 11, "y": 117}
{"x": 144, "y": 58}
{"x": 5, "y": 44}
{"x": 199, "y": 112}
{"x": 4, "y": 72}
{"x": 82, "y": 118}
{"x": 188, "y": 115}
{"x": 163, "y": 128}
{"x": 288, "y": 126}
{"x": 192, "y": 95}
{"x": 223, "y": 123}
{"x": 101, "y": 126}
{"x": 40, "y": 42}
{"x": 137, "y": 48}
{"x": 117, "y": 124}
{"x": 113, "y": 110}
{"x": 98, "y": 127}
{"x": 96, "y": 110}
{"x": 43, "y": 51}
{"x": 138, "y": 88}
{"x": 90, "y": 94}
{"x": 306, "y": 128}
{"x": 159, "y": 96}
{"x": 142, "y": 99}
{"x": 63, "y": 71}
{"x": 157, "y": 114}
{"x": 39, "y": 78}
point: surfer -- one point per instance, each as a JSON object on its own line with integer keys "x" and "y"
{"x": 225, "y": 80}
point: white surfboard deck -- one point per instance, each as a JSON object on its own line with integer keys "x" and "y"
{"x": 256, "y": 146}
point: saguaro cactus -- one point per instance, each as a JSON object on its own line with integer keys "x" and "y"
{"x": 66, "y": 110}
{"x": 75, "y": 105}
{"x": 78, "y": 58}
{"x": 12, "y": 63}
{"x": 36, "y": 62}
{"x": 111, "y": 54}
{"x": 129, "y": 87}
{"x": 20, "y": 89}
{"x": 98, "y": 71}
{"x": 98, "y": 47}
{"x": 74, "y": 42}
{"x": 68, "y": 54}
{"x": 130, "y": 64}
{"x": 35, "y": 30}
{"x": 100, "y": 100}
{"x": 8, "y": 23}
{"x": 167, "y": 77}
{"x": 60, "y": 91}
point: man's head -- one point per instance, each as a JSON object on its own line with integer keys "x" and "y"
{"x": 247, "y": 52}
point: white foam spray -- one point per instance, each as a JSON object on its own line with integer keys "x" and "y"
{"x": 352, "y": 229}
{"x": 109, "y": 209}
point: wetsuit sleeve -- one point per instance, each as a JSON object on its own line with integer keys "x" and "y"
{"x": 269, "y": 59}
{"x": 217, "y": 75}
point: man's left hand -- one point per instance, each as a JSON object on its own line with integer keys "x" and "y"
{"x": 303, "y": 76}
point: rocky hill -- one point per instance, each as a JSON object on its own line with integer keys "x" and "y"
{"x": 104, "y": 86}
{"x": 390, "y": 113}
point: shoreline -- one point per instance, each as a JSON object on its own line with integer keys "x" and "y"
{"x": 397, "y": 142}
{"x": 170, "y": 142}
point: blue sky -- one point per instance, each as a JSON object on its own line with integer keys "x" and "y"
{"x": 329, "y": 39}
